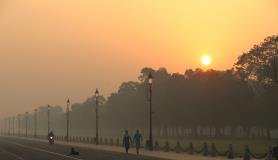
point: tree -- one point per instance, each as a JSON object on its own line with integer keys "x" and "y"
{"x": 256, "y": 66}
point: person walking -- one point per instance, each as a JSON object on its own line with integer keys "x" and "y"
{"x": 127, "y": 141}
{"x": 137, "y": 139}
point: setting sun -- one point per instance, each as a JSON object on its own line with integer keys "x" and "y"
{"x": 206, "y": 60}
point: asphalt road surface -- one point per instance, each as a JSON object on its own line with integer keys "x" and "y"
{"x": 21, "y": 149}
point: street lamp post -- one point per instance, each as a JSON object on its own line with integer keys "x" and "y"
{"x": 96, "y": 96}
{"x": 150, "y": 81}
{"x": 68, "y": 105}
{"x": 13, "y": 125}
{"x": 35, "y": 123}
{"x": 9, "y": 125}
{"x": 48, "y": 120}
{"x": 26, "y": 124}
{"x": 18, "y": 124}
{"x": 274, "y": 61}
{"x": 5, "y": 126}
{"x": 2, "y": 127}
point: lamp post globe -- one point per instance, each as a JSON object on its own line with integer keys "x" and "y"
{"x": 150, "y": 78}
{"x": 96, "y": 93}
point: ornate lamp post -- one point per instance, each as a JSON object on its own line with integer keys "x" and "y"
{"x": 150, "y": 82}
{"x": 9, "y": 125}
{"x": 18, "y": 124}
{"x": 68, "y": 105}
{"x": 48, "y": 119}
{"x": 13, "y": 125}
{"x": 96, "y": 96}
{"x": 35, "y": 123}
{"x": 26, "y": 124}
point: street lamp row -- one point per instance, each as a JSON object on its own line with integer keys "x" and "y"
{"x": 150, "y": 141}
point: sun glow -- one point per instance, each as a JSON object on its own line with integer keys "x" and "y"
{"x": 206, "y": 60}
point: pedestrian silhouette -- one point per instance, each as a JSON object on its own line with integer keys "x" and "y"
{"x": 137, "y": 139}
{"x": 127, "y": 141}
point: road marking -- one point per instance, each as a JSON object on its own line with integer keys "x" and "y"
{"x": 10, "y": 153}
{"x": 42, "y": 150}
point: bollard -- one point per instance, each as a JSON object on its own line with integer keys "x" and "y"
{"x": 190, "y": 148}
{"x": 205, "y": 151}
{"x": 111, "y": 142}
{"x": 269, "y": 155}
{"x": 106, "y": 141}
{"x": 147, "y": 145}
{"x": 213, "y": 150}
{"x": 91, "y": 140}
{"x": 178, "y": 147}
{"x": 230, "y": 153}
{"x": 117, "y": 142}
{"x": 246, "y": 155}
{"x": 156, "y": 146}
{"x": 166, "y": 147}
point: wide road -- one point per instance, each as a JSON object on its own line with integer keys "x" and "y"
{"x": 22, "y": 149}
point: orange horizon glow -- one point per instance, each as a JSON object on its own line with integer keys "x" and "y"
{"x": 55, "y": 49}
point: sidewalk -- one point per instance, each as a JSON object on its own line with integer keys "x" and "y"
{"x": 157, "y": 154}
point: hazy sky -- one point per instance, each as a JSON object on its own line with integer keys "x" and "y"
{"x": 54, "y": 49}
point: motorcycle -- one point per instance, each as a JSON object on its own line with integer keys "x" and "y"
{"x": 51, "y": 140}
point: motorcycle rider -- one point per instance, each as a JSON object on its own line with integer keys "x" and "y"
{"x": 51, "y": 134}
